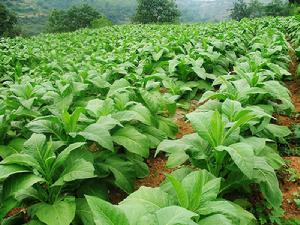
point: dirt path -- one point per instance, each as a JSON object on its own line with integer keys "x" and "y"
{"x": 157, "y": 166}
{"x": 291, "y": 189}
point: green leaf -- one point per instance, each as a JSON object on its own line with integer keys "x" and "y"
{"x": 7, "y": 205}
{"x": 143, "y": 201}
{"x": 167, "y": 126}
{"x": 98, "y": 133}
{"x": 216, "y": 219}
{"x": 174, "y": 215}
{"x": 201, "y": 124}
{"x": 93, "y": 187}
{"x": 19, "y": 182}
{"x": 264, "y": 174}
{"x": 34, "y": 222}
{"x": 237, "y": 214}
{"x": 117, "y": 86}
{"x": 7, "y": 170}
{"x": 83, "y": 211}
{"x": 15, "y": 146}
{"x": 70, "y": 121}
{"x": 278, "y": 131}
{"x": 243, "y": 156}
{"x": 105, "y": 213}
{"x": 46, "y": 125}
{"x": 181, "y": 193}
{"x": 127, "y": 115}
{"x": 97, "y": 107}
{"x": 61, "y": 158}
{"x": 34, "y": 144}
{"x": 298, "y": 70}
{"x": 201, "y": 187}
{"x": 59, "y": 213}
{"x": 123, "y": 172}
{"x": 22, "y": 160}
{"x": 76, "y": 170}
{"x": 132, "y": 140}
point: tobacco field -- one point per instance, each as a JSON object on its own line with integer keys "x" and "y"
{"x": 152, "y": 125}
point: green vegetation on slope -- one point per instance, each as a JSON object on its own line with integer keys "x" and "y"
{"x": 33, "y": 13}
{"x": 81, "y": 112}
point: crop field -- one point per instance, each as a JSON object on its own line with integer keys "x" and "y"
{"x": 152, "y": 125}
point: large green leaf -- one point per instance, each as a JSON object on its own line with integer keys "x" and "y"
{"x": 58, "y": 213}
{"x": 201, "y": 122}
{"x": 61, "y": 158}
{"x": 98, "y": 133}
{"x": 46, "y": 125}
{"x": 243, "y": 156}
{"x": 8, "y": 170}
{"x": 105, "y": 213}
{"x": 7, "y": 205}
{"x": 123, "y": 172}
{"x": 232, "y": 211}
{"x": 264, "y": 174}
{"x": 19, "y": 182}
{"x": 174, "y": 215}
{"x": 132, "y": 140}
{"x": 14, "y": 146}
{"x": 143, "y": 201}
{"x": 22, "y": 160}
{"x": 84, "y": 212}
{"x": 181, "y": 193}
{"x": 216, "y": 219}
{"x": 75, "y": 170}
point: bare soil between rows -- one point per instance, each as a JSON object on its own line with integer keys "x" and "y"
{"x": 291, "y": 189}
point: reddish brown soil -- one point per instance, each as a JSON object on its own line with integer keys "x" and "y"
{"x": 289, "y": 189}
{"x": 15, "y": 211}
{"x": 157, "y": 168}
{"x": 287, "y": 120}
{"x": 294, "y": 87}
{"x": 184, "y": 128}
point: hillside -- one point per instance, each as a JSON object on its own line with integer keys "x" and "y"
{"x": 33, "y": 13}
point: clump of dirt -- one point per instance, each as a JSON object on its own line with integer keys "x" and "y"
{"x": 288, "y": 121}
{"x": 157, "y": 168}
{"x": 289, "y": 189}
{"x": 15, "y": 211}
{"x": 294, "y": 87}
{"x": 184, "y": 128}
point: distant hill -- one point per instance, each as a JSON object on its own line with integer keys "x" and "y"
{"x": 33, "y": 13}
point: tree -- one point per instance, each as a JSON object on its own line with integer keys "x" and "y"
{"x": 7, "y": 22}
{"x": 240, "y": 10}
{"x": 256, "y": 9}
{"x": 81, "y": 16}
{"x": 73, "y": 19}
{"x": 156, "y": 11}
{"x": 101, "y": 22}
{"x": 277, "y": 8}
{"x": 294, "y": 1}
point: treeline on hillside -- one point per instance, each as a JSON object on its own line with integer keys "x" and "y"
{"x": 147, "y": 11}
{"x": 255, "y": 8}
{"x": 82, "y": 16}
